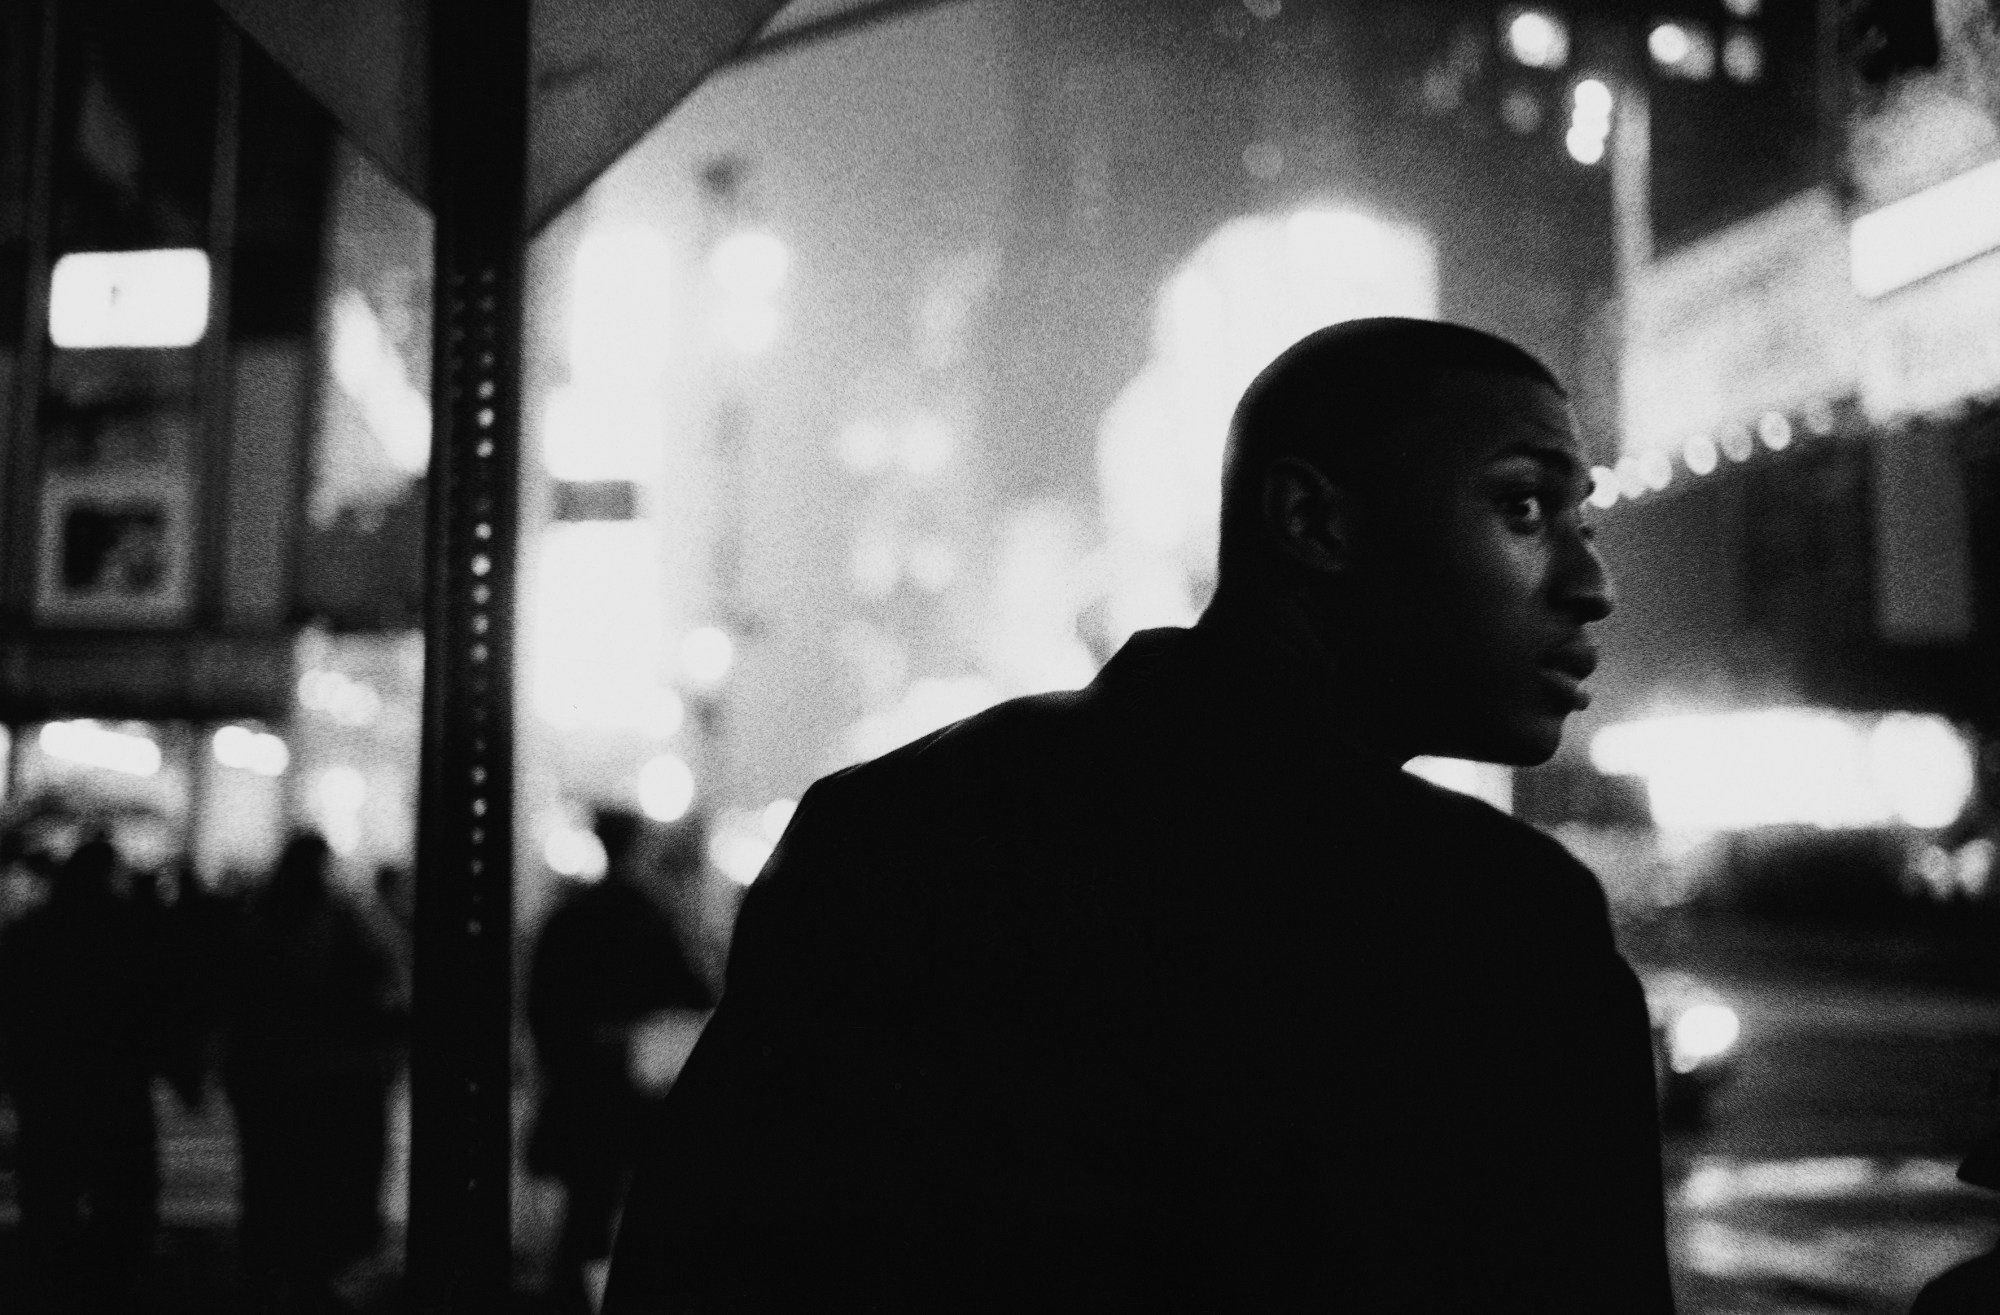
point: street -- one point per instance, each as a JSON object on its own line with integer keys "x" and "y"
{"x": 1825, "y": 1179}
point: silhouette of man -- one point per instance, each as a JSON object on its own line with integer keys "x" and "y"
{"x": 1175, "y": 993}
{"x": 83, "y": 1020}
{"x": 315, "y": 1008}
{"x": 615, "y": 1001}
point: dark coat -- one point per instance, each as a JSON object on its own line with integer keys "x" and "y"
{"x": 1142, "y": 998}
{"x": 85, "y": 1011}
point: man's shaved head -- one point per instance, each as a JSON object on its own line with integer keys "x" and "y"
{"x": 1342, "y": 399}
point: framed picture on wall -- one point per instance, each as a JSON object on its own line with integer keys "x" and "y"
{"x": 116, "y": 548}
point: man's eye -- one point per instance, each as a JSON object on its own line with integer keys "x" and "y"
{"x": 1528, "y": 509}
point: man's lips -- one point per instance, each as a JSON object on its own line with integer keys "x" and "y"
{"x": 1576, "y": 660}
{"x": 1566, "y": 667}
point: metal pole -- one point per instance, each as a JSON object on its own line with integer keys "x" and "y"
{"x": 21, "y": 462}
{"x": 461, "y": 1157}
{"x": 209, "y": 462}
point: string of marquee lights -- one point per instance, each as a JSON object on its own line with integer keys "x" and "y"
{"x": 1703, "y": 453}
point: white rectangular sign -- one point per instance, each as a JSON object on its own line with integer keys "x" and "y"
{"x": 129, "y": 298}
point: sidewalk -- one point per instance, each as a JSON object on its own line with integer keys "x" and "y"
{"x": 195, "y": 1269}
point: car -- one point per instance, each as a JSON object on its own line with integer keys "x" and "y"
{"x": 1695, "y": 1034}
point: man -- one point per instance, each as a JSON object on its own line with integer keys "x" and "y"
{"x": 316, "y": 1010}
{"x": 85, "y": 1018}
{"x": 615, "y": 1001}
{"x": 1175, "y": 993}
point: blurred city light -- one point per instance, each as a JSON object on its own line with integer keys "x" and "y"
{"x": 1975, "y": 866}
{"x": 1668, "y": 43}
{"x": 1924, "y": 767}
{"x": 706, "y": 654}
{"x": 751, "y": 263}
{"x": 1922, "y": 234}
{"x": 1603, "y": 487}
{"x": 1536, "y": 38}
{"x": 1043, "y": 577}
{"x": 620, "y": 306}
{"x": 666, "y": 788}
{"x": 92, "y": 744}
{"x": 1488, "y": 781}
{"x": 153, "y": 298}
{"x": 864, "y": 445}
{"x": 927, "y": 704}
{"x": 1682, "y": 50}
{"x": 1631, "y": 480}
{"x": 574, "y": 851}
{"x": 602, "y": 433}
{"x": 1718, "y": 1181}
{"x": 1743, "y": 56}
{"x": 925, "y": 444}
{"x": 777, "y": 815}
{"x": 250, "y": 750}
{"x": 1743, "y": 8}
{"x": 335, "y": 803}
{"x": 749, "y": 327}
{"x": 1590, "y": 121}
{"x": 597, "y": 647}
{"x": 1775, "y": 430}
{"x": 1702, "y": 1032}
{"x": 740, "y": 846}
{"x": 1700, "y": 454}
{"x": 1735, "y": 442}
{"x": 344, "y": 699}
{"x": 373, "y": 375}
{"x": 1655, "y": 469}
{"x": 749, "y": 267}
{"x": 1711, "y": 772}
{"x": 933, "y": 564}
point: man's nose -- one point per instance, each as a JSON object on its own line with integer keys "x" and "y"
{"x": 1584, "y": 585}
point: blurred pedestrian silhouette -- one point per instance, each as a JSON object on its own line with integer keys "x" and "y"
{"x": 315, "y": 1009}
{"x": 616, "y": 999}
{"x": 86, "y": 1017}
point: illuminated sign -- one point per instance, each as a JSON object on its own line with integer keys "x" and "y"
{"x": 1732, "y": 771}
{"x": 1934, "y": 343}
{"x": 129, "y": 298}
{"x": 91, "y": 744}
{"x": 1921, "y": 235}
{"x": 1758, "y": 318}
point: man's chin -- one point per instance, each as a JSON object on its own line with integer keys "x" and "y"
{"x": 1528, "y": 745}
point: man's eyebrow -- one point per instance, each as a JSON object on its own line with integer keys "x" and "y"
{"x": 1563, "y": 460}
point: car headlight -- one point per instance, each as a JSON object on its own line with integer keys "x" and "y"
{"x": 1700, "y": 1033}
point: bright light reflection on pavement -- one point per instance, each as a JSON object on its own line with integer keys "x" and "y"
{"x": 1813, "y": 1234}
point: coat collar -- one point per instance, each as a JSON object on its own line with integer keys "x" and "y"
{"x": 1194, "y": 688}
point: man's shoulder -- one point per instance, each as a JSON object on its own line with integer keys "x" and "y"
{"x": 989, "y": 759}
{"x": 932, "y": 823}
{"x": 1502, "y": 853}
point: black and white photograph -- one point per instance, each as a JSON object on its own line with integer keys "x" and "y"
{"x": 965, "y": 657}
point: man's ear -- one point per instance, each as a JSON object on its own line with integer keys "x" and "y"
{"x": 1308, "y": 516}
